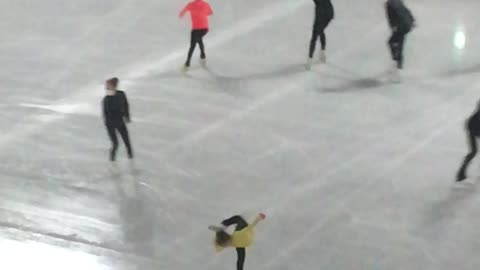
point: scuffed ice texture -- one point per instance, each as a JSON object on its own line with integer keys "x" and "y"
{"x": 353, "y": 172}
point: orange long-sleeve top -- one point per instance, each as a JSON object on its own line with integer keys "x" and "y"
{"x": 199, "y": 13}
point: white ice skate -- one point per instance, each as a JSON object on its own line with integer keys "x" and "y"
{"x": 185, "y": 69}
{"x": 216, "y": 228}
{"x": 323, "y": 57}
{"x": 308, "y": 65}
{"x": 203, "y": 63}
{"x": 394, "y": 73}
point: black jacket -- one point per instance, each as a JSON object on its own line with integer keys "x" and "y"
{"x": 473, "y": 123}
{"x": 399, "y": 16}
{"x": 324, "y": 11}
{"x": 116, "y": 109}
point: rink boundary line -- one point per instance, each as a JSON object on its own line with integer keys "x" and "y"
{"x": 341, "y": 208}
{"x": 85, "y": 96}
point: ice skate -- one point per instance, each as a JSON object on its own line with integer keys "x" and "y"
{"x": 113, "y": 169}
{"x": 308, "y": 65}
{"x": 395, "y": 76}
{"x": 394, "y": 73}
{"x": 461, "y": 177}
{"x": 323, "y": 57}
{"x": 216, "y": 228}
{"x": 203, "y": 63}
{"x": 185, "y": 69}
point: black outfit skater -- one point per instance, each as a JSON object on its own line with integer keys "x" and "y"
{"x": 473, "y": 132}
{"x": 116, "y": 112}
{"x": 324, "y": 14}
{"x": 240, "y": 225}
{"x": 401, "y": 22}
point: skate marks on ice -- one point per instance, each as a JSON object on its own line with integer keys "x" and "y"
{"x": 443, "y": 213}
{"x": 355, "y": 85}
{"x": 474, "y": 69}
{"x": 283, "y": 72}
{"x": 141, "y": 210}
{"x": 352, "y": 82}
{"x": 343, "y": 206}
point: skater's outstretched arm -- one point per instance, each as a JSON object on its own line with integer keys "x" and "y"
{"x": 259, "y": 218}
{"x": 184, "y": 10}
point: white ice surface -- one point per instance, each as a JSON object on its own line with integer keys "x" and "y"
{"x": 353, "y": 172}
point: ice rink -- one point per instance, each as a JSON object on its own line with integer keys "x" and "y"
{"x": 353, "y": 172}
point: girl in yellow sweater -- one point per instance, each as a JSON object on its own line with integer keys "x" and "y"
{"x": 241, "y": 238}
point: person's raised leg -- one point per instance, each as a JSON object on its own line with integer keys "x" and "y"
{"x": 236, "y": 220}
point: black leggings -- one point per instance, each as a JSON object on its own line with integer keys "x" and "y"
{"x": 318, "y": 31}
{"x": 396, "y": 44}
{"x": 122, "y": 129}
{"x": 472, "y": 140}
{"x": 196, "y": 37}
{"x": 240, "y": 225}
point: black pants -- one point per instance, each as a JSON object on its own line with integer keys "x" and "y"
{"x": 396, "y": 44}
{"x": 318, "y": 31}
{"x": 240, "y": 225}
{"x": 112, "y": 133}
{"x": 472, "y": 140}
{"x": 196, "y": 38}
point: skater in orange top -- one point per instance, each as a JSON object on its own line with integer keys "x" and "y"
{"x": 241, "y": 238}
{"x": 199, "y": 13}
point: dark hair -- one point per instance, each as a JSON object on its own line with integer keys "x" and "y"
{"x": 222, "y": 238}
{"x": 113, "y": 81}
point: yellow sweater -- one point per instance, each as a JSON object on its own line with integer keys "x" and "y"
{"x": 240, "y": 239}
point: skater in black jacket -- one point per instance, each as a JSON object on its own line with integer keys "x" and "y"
{"x": 324, "y": 14}
{"x": 473, "y": 132}
{"x": 115, "y": 115}
{"x": 401, "y": 22}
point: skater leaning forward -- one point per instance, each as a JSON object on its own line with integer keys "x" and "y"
{"x": 241, "y": 238}
{"x": 116, "y": 114}
{"x": 324, "y": 14}
{"x": 199, "y": 13}
{"x": 401, "y": 22}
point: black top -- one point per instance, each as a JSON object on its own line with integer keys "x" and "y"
{"x": 399, "y": 16}
{"x": 115, "y": 108}
{"x": 323, "y": 11}
{"x": 473, "y": 123}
